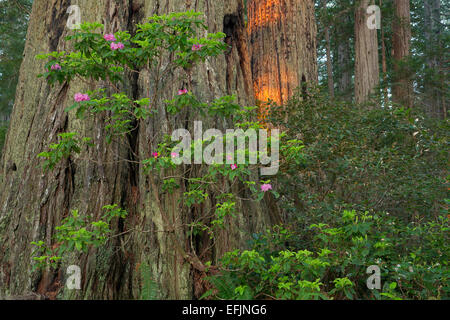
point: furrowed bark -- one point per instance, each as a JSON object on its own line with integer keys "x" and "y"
{"x": 435, "y": 101}
{"x": 384, "y": 64}
{"x": 344, "y": 59}
{"x": 367, "y": 75}
{"x": 402, "y": 91}
{"x": 283, "y": 44}
{"x": 329, "y": 60}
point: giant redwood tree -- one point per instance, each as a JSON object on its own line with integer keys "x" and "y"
{"x": 277, "y": 49}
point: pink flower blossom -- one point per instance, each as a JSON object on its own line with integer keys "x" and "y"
{"x": 197, "y": 47}
{"x": 174, "y": 154}
{"x": 81, "y": 97}
{"x": 56, "y": 67}
{"x": 266, "y": 187}
{"x": 233, "y": 167}
{"x": 109, "y": 37}
{"x": 181, "y": 92}
{"x": 115, "y": 46}
{"x": 155, "y": 155}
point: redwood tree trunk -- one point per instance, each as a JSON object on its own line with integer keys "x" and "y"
{"x": 344, "y": 59}
{"x": 329, "y": 64}
{"x": 435, "y": 89}
{"x": 367, "y": 74}
{"x": 33, "y": 202}
{"x": 384, "y": 65}
{"x": 328, "y": 53}
{"x": 402, "y": 85}
{"x": 283, "y": 46}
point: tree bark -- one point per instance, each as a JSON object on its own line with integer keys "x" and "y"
{"x": 402, "y": 85}
{"x": 435, "y": 90}
{"x": 329, "y": 64}
{"x": 384, "y": 65}
{"x": 344, "y": 58}
{"x": 367, "y": 74}
{"x": 154, "y": 234}
{"x": 283, "y": 45}
{"x": 328, "y": 53}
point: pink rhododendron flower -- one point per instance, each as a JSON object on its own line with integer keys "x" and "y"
{"x": 109, "y": 37}
{"x": 266, "y": 187}
{"x": 115, "y": 46}
{"x": 197, "y": 47}
{"x": 81, "y": 97}
{"x": 181, "y": 92}
{"x": 56, "y": 67}
{"x": 233, "y": 167}
{"x": 155, "y": 155}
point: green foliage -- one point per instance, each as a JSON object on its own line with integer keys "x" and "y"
{"x": 149, "y": 287}
{"x": 3, "y": 131}
{"x": 361, "y": 188}
{"x": 224, "y": 107}
{"x": 93, "y": 58}
{"x": 389, "y": 160}
{"x": 222, "y": 211}
{"x": 67, "y": 145}
{"x": 14, "y": 17}
{"x": 413, "y": 260}
{"x": 76, "y": 233}
{"x": 43, "y": 256}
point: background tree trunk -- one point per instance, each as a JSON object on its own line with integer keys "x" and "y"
{"x": 33, "y": 202}
{"x": 402, "y": 85}
{"x": 328, "y": 54}
{"x": 329, "y": 64}
{"x": 435, "y": 89}
{"x": 344, "y": 58}
{"x": 384, "y": 64}
{"x": 367, "y": 74}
